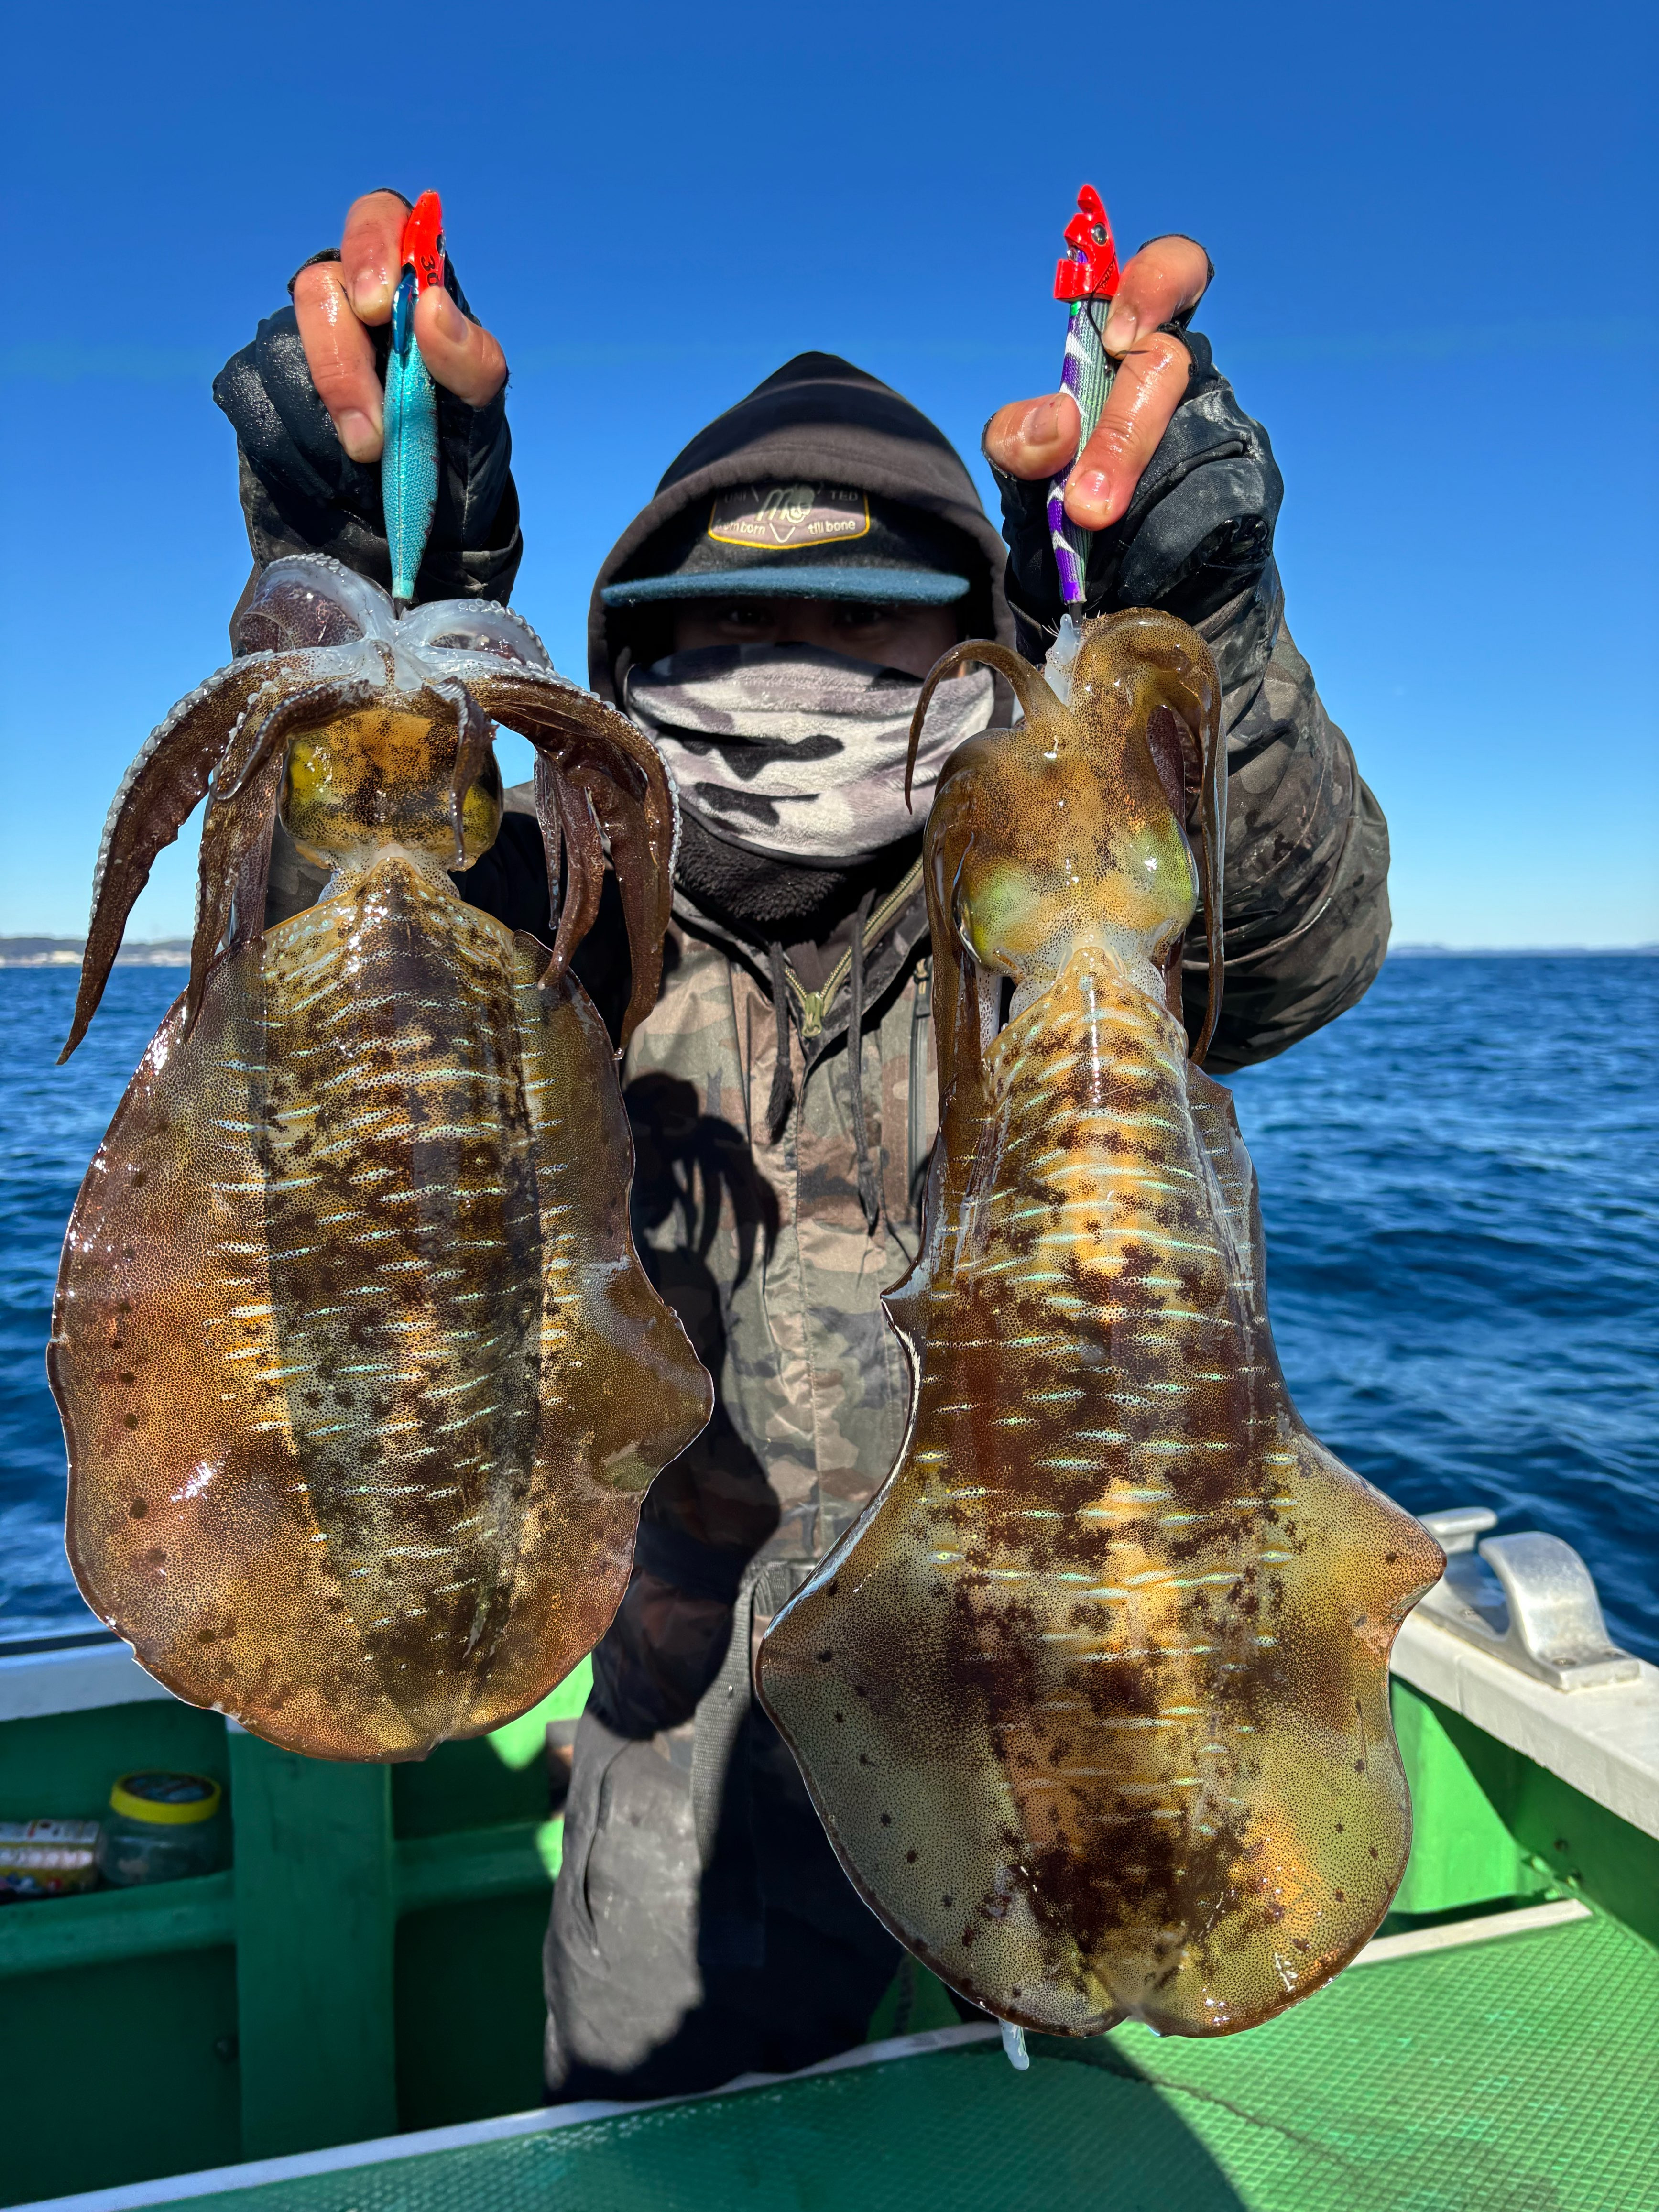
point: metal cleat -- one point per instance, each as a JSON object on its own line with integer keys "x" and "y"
{"x": 1527, "y": 1599}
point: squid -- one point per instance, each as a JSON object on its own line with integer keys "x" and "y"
{"x": 362, "y": 1378}
{"x": 1093, "y": 1700}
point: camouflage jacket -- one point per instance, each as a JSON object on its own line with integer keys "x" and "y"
{"x": 763, "y": 1246}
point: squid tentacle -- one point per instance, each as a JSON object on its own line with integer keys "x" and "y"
{"x": 158, "y": 794}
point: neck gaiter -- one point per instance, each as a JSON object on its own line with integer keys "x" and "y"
{"x": 796, "y": 753}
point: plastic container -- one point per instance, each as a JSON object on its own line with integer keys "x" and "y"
{"x": 161, "y": 1827}
{"x": 47, "y": 1858}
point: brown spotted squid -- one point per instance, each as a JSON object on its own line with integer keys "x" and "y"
{"x": 1093, "y": 1701}
{"x": 362, "y": 1381}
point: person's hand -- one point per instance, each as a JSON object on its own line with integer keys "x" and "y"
{"x": 336, "y": 303}
{"x": 1034, "y": 438}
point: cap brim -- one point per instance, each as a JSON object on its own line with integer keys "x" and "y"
{"x": 915, "y": 587}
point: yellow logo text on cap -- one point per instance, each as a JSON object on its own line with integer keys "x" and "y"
{"x": 789, "y": 518}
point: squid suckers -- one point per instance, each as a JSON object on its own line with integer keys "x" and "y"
{"x": 1093, "y": 1701}
{"x": 362, "y": 1381}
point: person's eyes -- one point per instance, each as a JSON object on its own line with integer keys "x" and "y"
{"x": 863, "y": 616}
{"x": 743, "y": 614}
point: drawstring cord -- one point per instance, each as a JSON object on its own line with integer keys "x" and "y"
{"x": 869, "y": 1188}
{"x": 782, "y": 1095}
{"x": 783, "y": 1074}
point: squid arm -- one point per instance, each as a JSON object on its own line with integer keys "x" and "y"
{"x": 157, "y": 796}
{"x": 572, "y": 809}
{"x": 230, "y": 889}
{"x": 966, "y": 1001}
{"x": 1030, "y": 687}
{"x": 242, "y": 814}
{"x": 473, "y": 733}
{"x": 643, "y": 879}
{"x": 1192, "y": 696}
{"x": 1190, "y": 689}
{"x": 957, "y": 992}
{"x": 609, "y": 776}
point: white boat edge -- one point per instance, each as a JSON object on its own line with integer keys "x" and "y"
{"x": 1602, "y": 1739}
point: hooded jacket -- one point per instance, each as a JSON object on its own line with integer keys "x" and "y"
{"x": 817, "y": 419}
{"x": 774, "y": 1232}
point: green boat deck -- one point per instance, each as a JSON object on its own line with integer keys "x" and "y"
{"x": 1509, "y": 2075}
{"x": 369, "y": 1964}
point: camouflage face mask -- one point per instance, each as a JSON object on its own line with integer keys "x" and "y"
{"x": 796, "y": 752}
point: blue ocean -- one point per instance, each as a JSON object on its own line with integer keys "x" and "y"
{"x": 1460, "y": 1185}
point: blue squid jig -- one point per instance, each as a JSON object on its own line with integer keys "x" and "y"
{"x": 409, "y": 463}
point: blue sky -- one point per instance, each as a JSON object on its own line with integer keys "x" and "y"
{"x": 1434, "y": 285}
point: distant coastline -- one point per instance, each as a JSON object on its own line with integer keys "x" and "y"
{"x": 66, "y": 952}
{"x": 1512, "y": 952}
{"x": 174, "y": 952}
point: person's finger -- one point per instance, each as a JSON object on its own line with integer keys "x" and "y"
{"x": 462, "y": 355}
{"x": 340, "y": 354}
{"x": 1149, "y": 387}
{"x": 371, "y": 251}
{"x": 1032, "y": 438}
{"x": 1165, "y": 277}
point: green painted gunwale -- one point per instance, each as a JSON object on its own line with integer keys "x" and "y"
{"x": 371, "y": 1963}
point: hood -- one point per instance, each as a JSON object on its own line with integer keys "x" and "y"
{"x": 818, "y": 417}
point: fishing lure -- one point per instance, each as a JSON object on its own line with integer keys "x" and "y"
{"x": 409, "y": 462}
{"x": 1093, "y": 1701}
{"x": 1088, "y": 278}
{"x": 361, "y": 1379}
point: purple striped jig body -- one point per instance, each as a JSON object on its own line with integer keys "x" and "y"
{"x": 1088, "y": 278}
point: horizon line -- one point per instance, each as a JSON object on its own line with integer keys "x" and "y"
{"x": 42, "y": 950}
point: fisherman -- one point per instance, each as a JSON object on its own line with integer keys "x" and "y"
{"x": 767, "y": 619}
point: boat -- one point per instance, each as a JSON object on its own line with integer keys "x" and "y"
{"x": 348, "y": 2017}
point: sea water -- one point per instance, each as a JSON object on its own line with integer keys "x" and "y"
{"x": 1460, "y": 1181}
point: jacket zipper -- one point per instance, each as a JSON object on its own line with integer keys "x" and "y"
{"x": 815, "y": 1006}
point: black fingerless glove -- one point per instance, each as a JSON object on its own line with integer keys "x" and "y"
{"x": 1199, "y": 530}
{"x": 303, "y": 492}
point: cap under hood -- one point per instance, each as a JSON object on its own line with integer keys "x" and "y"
{"x": 818, "y": 418}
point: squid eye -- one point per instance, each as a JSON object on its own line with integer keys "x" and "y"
{"x": 463, "y": 641}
